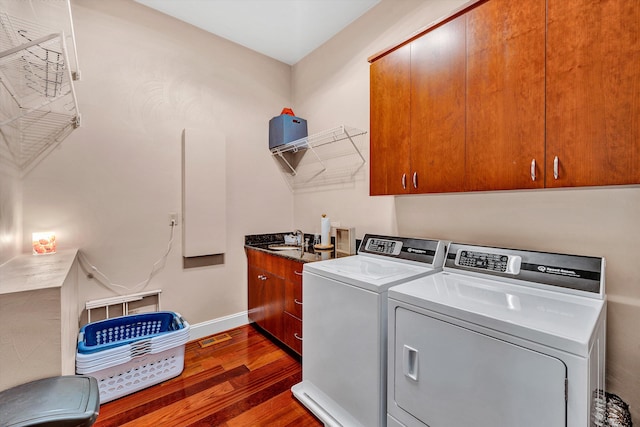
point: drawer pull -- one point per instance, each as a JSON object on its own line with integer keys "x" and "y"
{"x": 299, "y": 274}
{"x": 297, "y": 302}
{"x": 298, "y": 337}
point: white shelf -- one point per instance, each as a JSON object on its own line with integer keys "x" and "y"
{"x": 38, "y": 105}
{"x": 327, "y": 158}
{"x": 27, "y": 272}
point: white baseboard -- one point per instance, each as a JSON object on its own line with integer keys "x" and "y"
{"x": 215, "y": 326}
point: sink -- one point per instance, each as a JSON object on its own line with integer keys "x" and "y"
{"x": 282, "y": 247}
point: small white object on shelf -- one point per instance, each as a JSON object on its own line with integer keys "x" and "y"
{"x": 345, "y": 241}
{"x": 325, "y": 230}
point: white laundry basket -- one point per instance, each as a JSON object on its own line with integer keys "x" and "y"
{"x": 129, "y": 353}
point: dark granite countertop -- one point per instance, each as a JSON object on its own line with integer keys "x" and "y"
{"x": 262, "y": 242}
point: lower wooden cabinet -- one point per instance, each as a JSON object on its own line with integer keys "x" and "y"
{"x": 275, "y": 296}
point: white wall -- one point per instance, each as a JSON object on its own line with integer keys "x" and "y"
{"x": 331, "y": 86}
{"x": 10, "y": 214}
{"x": 109, "y": 187}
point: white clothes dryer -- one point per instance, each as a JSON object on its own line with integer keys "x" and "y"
{"x": 344, "y": 326}
{"x": 500, "y": 337}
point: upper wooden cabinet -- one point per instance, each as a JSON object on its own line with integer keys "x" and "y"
{"x": 437, "y": 159}
{"x": 505, "y": 95}
{"x": 390, "y": 123}
{"x": 593, "y": 92}
{"x": 550, "y": 96}
{"x": 417, "y": 115}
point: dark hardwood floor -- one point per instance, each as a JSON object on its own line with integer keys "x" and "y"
{"x": 244, "y": 381}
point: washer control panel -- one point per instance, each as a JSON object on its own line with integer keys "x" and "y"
{"x": 487, "y": 261}
{"x": 384, "y": 246}
{"x": 412, "y": 249}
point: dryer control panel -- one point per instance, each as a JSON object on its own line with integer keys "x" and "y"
{"x": 502, "y": 263}
{"x": 564, "y": 272}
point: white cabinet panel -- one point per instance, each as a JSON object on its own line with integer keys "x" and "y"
{"x": 204, "y": 193}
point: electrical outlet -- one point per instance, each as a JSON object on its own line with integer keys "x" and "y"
{"x": 335, "y": 224}
{"x": 173, "y": 218}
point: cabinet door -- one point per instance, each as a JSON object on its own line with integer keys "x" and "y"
{"x": 390, "y": 123}
{"x": 505, "y": 95}
{"x": 438, "y": 109}
{"x": 266, "y": 300}
{"x": 256, "y": 295}
{"x": 593, "y": 92}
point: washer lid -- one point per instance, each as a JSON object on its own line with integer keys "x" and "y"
{"x": 367, "y": 272}
{"x": 563, "y": 321}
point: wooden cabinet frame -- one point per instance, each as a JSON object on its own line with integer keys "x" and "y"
{"x": 274, "y": 291}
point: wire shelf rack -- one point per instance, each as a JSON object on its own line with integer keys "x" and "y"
{"x": 38, "y": 105}
{"x": 328, "y": 158}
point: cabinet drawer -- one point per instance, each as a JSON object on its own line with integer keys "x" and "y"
{"x": 293, "y": 333}
{"x": 274, "y": 264}
{"x": 293, "y": 298}
{"x": 293, "y": 271}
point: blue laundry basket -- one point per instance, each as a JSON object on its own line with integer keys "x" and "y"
{"x": 110, "y": 333}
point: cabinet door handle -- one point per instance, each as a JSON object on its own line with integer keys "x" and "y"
{"x": 415, "y": 179}
{"x": 556, "y": 164}
{"x": 297, "y": 302}
{"x": 297, "y": 336}
{"x": 262, "y": 277}
{"x": 299, "y": 274}
{"x": 533, "y": 170}
{"x": 404, "y": 181}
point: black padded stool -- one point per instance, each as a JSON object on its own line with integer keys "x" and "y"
{"x": 66, "y": 401}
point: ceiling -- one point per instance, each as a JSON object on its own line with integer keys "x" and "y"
{"x": 286, "y": 30}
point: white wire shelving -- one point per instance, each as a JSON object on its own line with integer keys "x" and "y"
{"x": 38, "y": 104}
{"x": 331, "y": 157}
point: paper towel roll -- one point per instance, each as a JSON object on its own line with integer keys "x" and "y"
{"x": 325, "y": 230}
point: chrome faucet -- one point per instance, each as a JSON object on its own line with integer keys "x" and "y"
{"x": 301, "y": 234}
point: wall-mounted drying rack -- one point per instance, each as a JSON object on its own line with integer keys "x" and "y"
{"x": 331, "y": 157}
{"x": 38, "y": 104}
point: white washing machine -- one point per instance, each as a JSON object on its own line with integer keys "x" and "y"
{"x": 500, "y": 338}
{"x": 344, "y": 326}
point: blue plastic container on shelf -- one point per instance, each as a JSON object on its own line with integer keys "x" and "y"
{"x": 118, "y": 331}
{"x": 286, "y": 128}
